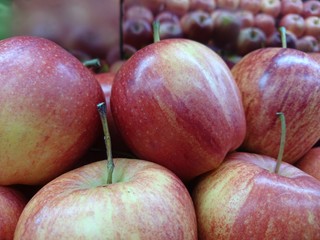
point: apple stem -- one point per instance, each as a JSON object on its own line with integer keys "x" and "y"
{"x": 156, "y": 31}
{"x": 92, "y": 63}
{"x": 282, "y": 141}
{"x": 283, "y": 36}
{"x": 107, "y": 140}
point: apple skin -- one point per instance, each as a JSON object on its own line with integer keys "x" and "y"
{"x": 244, "y": 199}
{"x": 12, "y": 202}
{"x": 275, "y": 80}
{"x": 183, "y": 114}
{"x": 253, "y": 6}
{"x": 294, "y": 23}
{"x": 271, "y": 7}
{"x": 144, "y": 201}
{"x": 250, "y": 39}
{"x": 48, "y": 110}
{"x": 311, "y": 8}
{"x": 266, "y": 23}
{"x": 310, "y": 162}
{"x": 291, "y": 6}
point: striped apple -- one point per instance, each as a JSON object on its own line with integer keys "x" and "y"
{"x": 175, "y": 102}
{"x": 275, "y": 80}
{"x": 245, "y": 199}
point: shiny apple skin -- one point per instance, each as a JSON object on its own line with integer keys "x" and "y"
{"x": 245, "y": 199}
{"x": 275, "y": 80}
{"x": 175, "y": 103}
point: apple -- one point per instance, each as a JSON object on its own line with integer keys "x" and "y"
{"x": 48, "y": 110}
{"x": 271, "y": 7}
{"x": 226, "y": 29}
{"x": 227, "y": 4}
{"x": 175, "y": 103}
{"x": 166, "y": 16}
{"x": 294, "y": 23}
{"x": 144, "y": 201}
{"x": 137, "y": 32}
{"x": 170, "y": 30}
{"x": 275, "y": 40}
{"x": 311, "y": 8}
{"x": 139, "y": 11}
{"x": 310, "y": 162}
{"x": 155, "y": 6}
{"x": 253, "y": 6}
{"x": 197, "y": 25}
{"x": 245, "y": 17}
{"x": 178, "y": 7}
{"x": 313, "y": 26}
{"x": 245, "y": 199}
{"x": 204, "y": 5}
{"x": 291, "y": 6}
{"x": 12, "y": 202}
{"x": 250, "y": 39}
{"x": 307, "y": 43}
{"x": 266, "y": 23}
{"x": 275, "y": 80}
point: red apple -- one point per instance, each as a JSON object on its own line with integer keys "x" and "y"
{"x": 294, "y": 23}
{"x": 166, "y": 16}
{"x": 275, "y": 80}
{"x": 226, "y": 29}
{"x": 310, "y": 162}
{"x": 12, "y": 202}
{"x": 144, "y": 201}
{"x": 179, "y": 7}
{"x": 245, "y": 199}
{"x": 250, "y": 39}
{"x": 175, "y": 103}
{"x": 274, "y": 40}
{"x": 245, "y": 17}
{"x": 139, "y": 11}
{"x": 137, "y": 32}
{"x": 227, "y": 4}
{"x": 253, "y": 6}
{"x": 313, "y": 26}
{"x": 266, "y": 23}
{"x": 271, "y": 7}
{"x": 204, "y": 5}
{"x": 311, "y": 8}
{"x": 291, "y": 6}
{"x": 155, "y": 6}
{"x": 170, "y": 30}
{"x": 197, "y": 25}
{"x": 48, "y": 110}
{"x": 307, "y": 43}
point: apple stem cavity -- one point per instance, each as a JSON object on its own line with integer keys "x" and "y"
{"x": 283, "y": 36}
{"x": 156, "y": 31}
{"x": 102, "y": 109}
{"x": 92, "y": 63}
{"x": 282, "y": 141}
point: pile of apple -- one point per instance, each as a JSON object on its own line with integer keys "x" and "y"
{"x": 213, "y": 153}
{"x": 232, "y": 26}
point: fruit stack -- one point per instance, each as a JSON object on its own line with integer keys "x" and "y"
{"x": 171, "y": 144}
{"x": 235, "y": 26}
